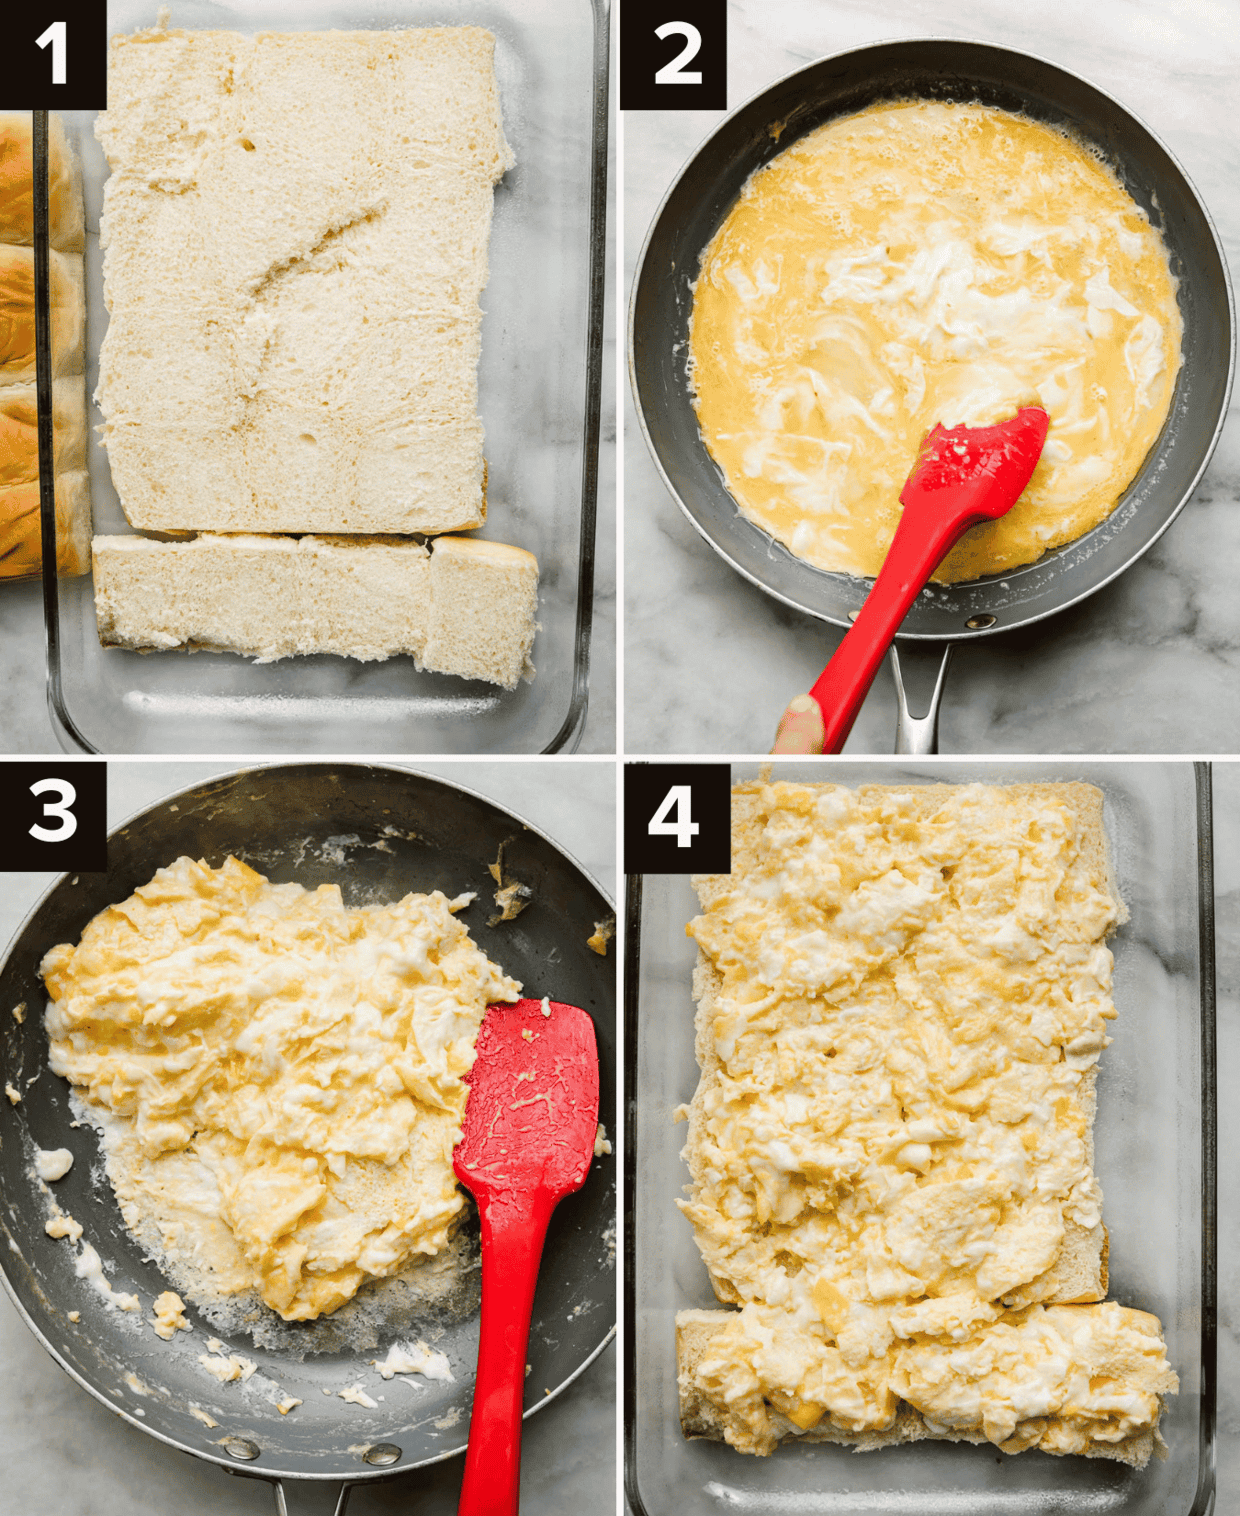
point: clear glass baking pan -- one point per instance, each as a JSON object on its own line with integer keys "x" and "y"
{"x": 539, "y": 386}
{"x": 1155, "y": 1151}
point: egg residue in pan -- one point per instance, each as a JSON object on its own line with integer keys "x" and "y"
{"x": 925, "y": 262}
{"x": 278, "y": 1077}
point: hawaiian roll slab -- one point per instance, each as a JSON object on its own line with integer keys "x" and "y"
{"x": 462, "y": 606}
{"x": 21, "y": 539}
{"x": 295, "y": 234}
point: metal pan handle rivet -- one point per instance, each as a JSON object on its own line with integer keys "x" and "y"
{"x": 980, "y": 623}
{"x": 240, "y": 1447}
{"x": 382, "y": 1453}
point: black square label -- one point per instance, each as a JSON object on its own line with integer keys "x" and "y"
{"x": 54, "y": 816}
{"x": 56, "y": 55}
{"x": 674, "y": 55}
{"x": 677, "y": 818}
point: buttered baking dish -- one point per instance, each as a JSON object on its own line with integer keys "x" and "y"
{"x": 1155, "y": 1158}
{"x": 539, "y": 384}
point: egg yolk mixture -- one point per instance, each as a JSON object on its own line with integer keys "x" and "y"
{"x": 278, "y": 1077}
{"x": 927, "y": 262}
{"x": 903, "y": 999}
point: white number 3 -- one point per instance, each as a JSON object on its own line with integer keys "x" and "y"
{"x": 673, "y": 72}
{"x": 683, "y": 828}
{"x": 57, "y": 808}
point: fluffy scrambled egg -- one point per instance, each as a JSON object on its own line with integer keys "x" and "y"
{"x": 928, "y": 262}
{"x": 903, "y": 998}
{"x": 1066, "y": 1379}
{"x": 279, "y": 1078}
{"x": 168, "y": 1316}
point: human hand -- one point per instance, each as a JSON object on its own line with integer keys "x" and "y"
{"x": 800, "y": 728}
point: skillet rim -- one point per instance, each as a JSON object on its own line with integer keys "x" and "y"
{"x": 998, "y": 628}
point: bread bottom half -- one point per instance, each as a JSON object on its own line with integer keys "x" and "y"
{"x": 462, "y": 607}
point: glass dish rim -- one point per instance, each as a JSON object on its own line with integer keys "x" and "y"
{"x": 1204, "y": 1493}
{"x": 569, "y": 733}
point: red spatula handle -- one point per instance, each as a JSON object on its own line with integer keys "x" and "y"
{"x": 513, "y": 1231}
{"x": 917, "y": 549}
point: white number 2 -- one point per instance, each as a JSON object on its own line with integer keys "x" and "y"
{"x": 57, "y": 808}
{"x": 679, "y": 797}
{"x": 55, "y": 34}
{"x": 672, "y": 73}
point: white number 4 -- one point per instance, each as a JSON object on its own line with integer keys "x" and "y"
{"x": 58, "y": 808}
{"x": 55, "y": 34}
{"x": 678, "y": 798}
{"x": 674, "y": 72}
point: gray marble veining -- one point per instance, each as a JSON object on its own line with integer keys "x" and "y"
{"x": 64, "y": 1453}
{"x": 1150, "y": 664}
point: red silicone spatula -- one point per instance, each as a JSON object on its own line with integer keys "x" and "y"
{"x": 963, "y": 475}
{"x": 528, "y": 1139}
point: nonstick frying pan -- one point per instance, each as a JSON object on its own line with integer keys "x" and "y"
{"x": 379, "y": 833}
{"x": 934, "y": 68}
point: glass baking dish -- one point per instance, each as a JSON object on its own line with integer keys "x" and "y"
{"x": 1155, "y": 1155}
{"x": 539, "y": 386}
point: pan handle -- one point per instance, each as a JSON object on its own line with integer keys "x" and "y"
{"x": 289, "y": 1500}
{"x": 919, "y": 734}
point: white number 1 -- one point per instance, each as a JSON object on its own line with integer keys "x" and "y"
{"x": 683, "y": 828}
{"x": 675, "y": 72}
{"x": 55, "y": 34}
{"x": 57, "y": 808}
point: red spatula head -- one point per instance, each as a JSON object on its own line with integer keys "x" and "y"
{"x": 532, "y": 1113}
{"x": 529, "y": 1130}
{"x": 981, "y": 470}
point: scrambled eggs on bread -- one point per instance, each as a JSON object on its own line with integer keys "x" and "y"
{"x": 903, "y": 995}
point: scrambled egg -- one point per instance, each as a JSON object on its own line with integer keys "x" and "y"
{"x": 905, "y": 1000}
{"x": 60, "y": 1224}
{"x": 279, "y": 1078}
{"x": 168, "y": 1316}
{"x": 1066, "y": 1379}
{"x": 225, "y": 1366}
{"x": 927, "y": 262}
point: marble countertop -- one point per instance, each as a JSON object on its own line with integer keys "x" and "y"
{"x": 1149, "y": 664}
{"x": 63, "y": 1452}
